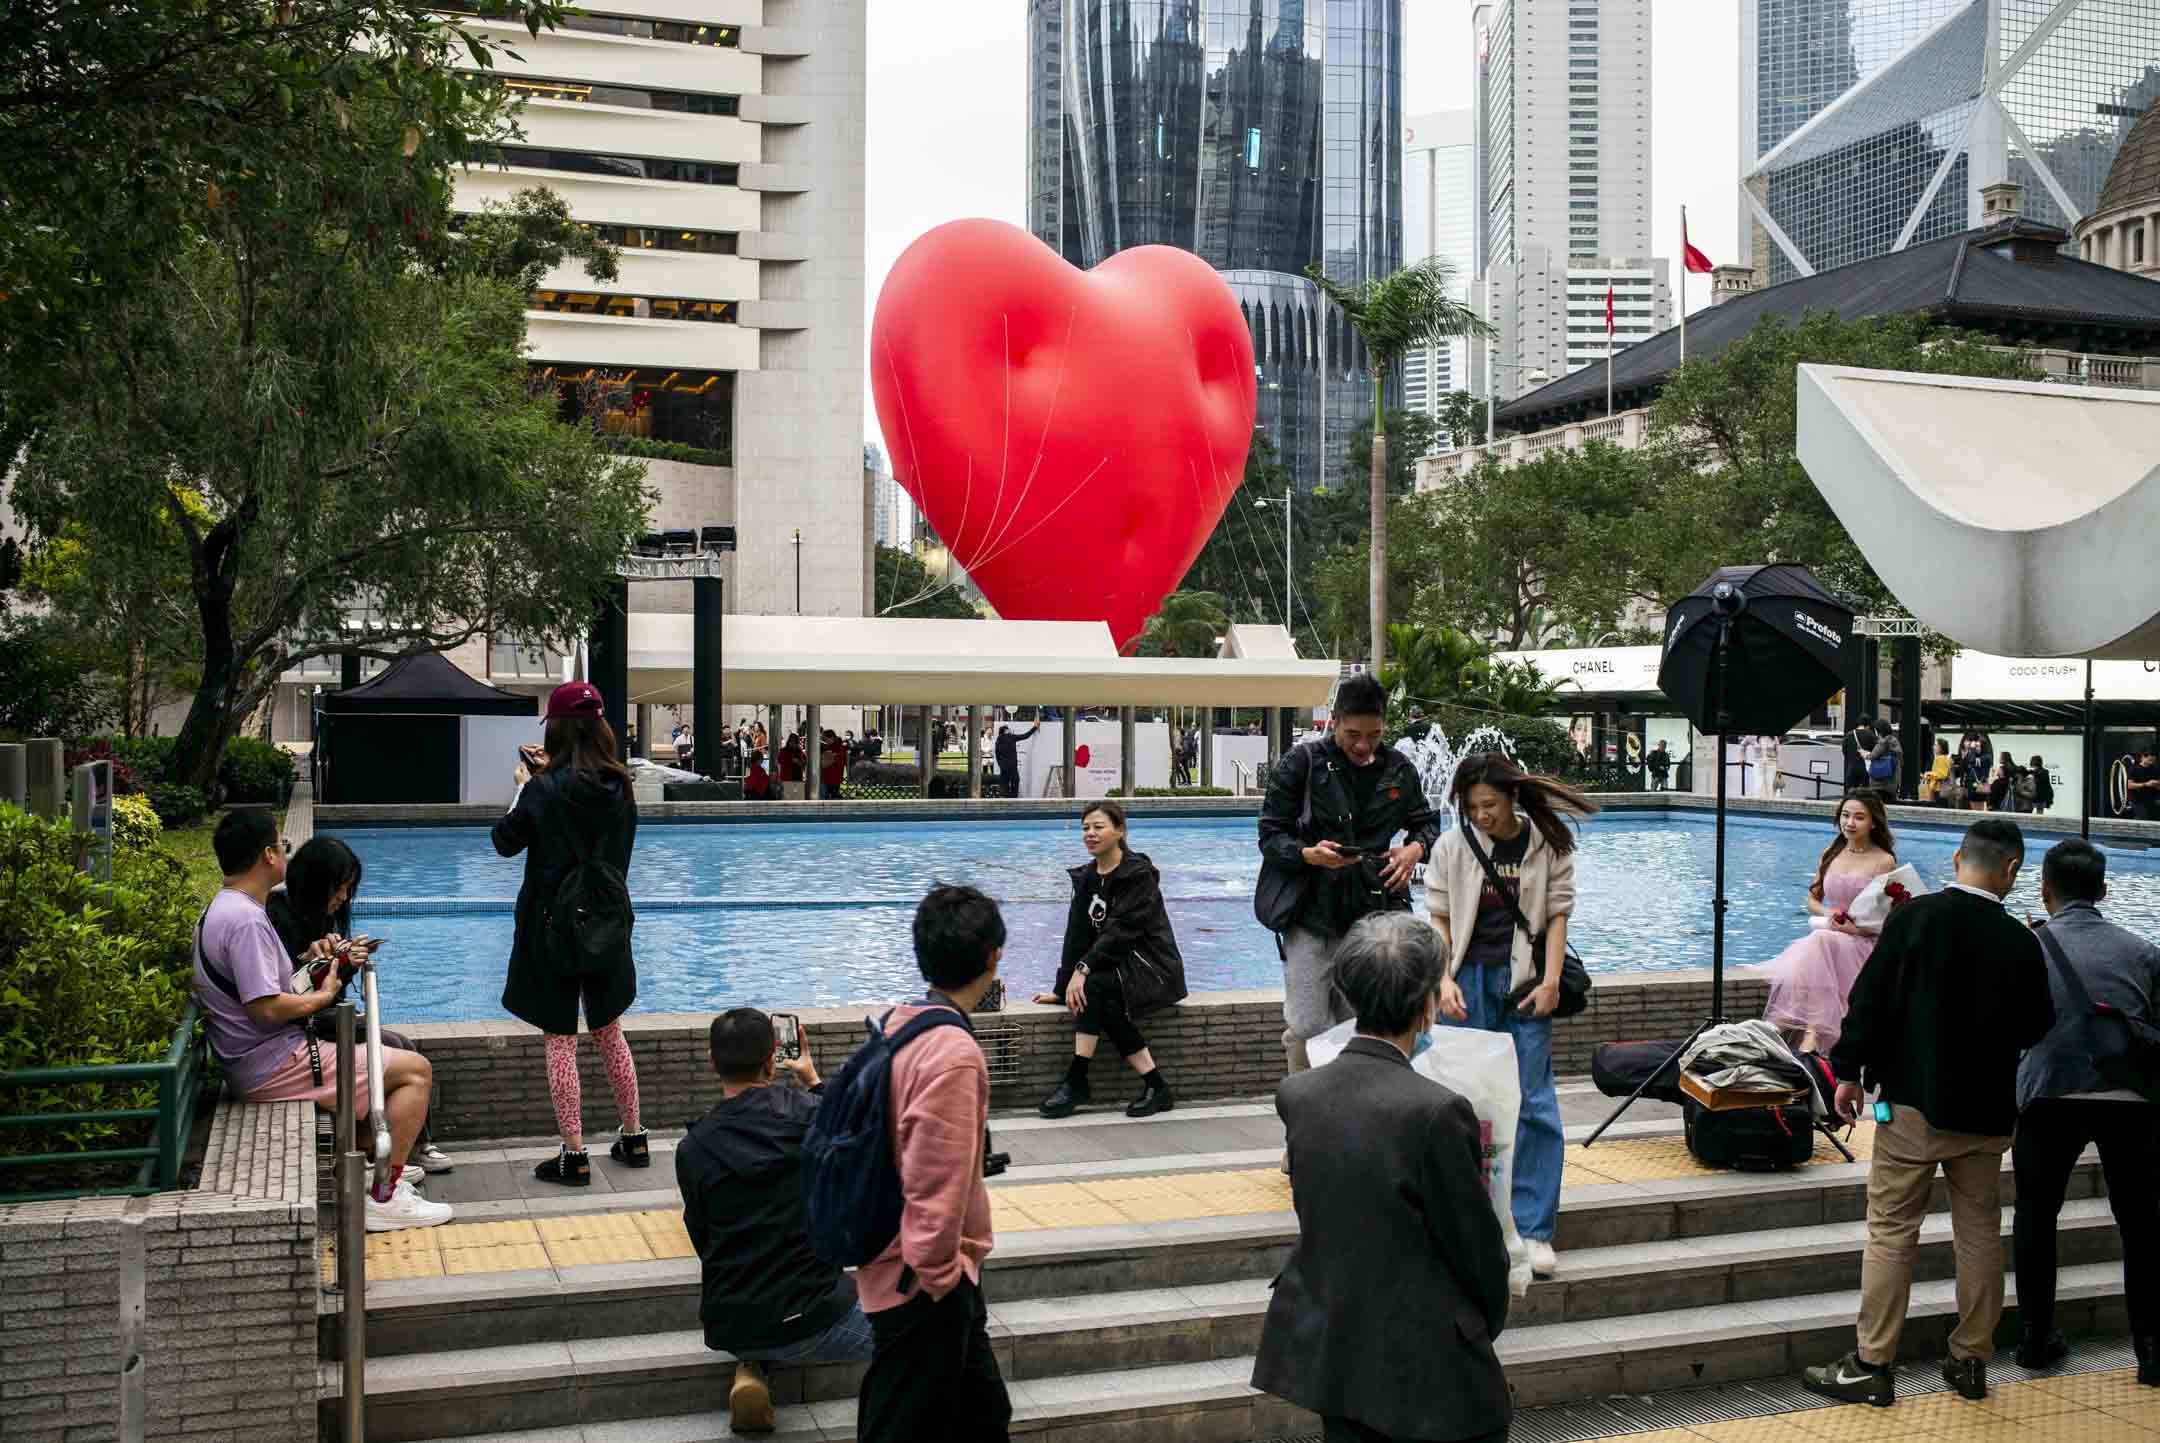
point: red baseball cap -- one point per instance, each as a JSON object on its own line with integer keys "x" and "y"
{"x": 575, "y": 698}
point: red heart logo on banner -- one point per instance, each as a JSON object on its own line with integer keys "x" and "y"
{"x": 1072, "y": 436}
{"x": 1080, "y": 755}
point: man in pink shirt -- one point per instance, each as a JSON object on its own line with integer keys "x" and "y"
{"x": 932, "y": 1374}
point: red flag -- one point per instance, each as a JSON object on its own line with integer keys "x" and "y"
{"x": 1608, "y": 308}
{"x": 1690, "y": 257}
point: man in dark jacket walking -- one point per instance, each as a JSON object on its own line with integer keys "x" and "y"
{"x": 1384, "y": 1318}
{"x": 767, "y": 1297}
{"x": 1328, "y": 852}
{"x": 1954, "y": 991}
{"x": 2065, "y": 1105}
{"x": 1007, "y": 749}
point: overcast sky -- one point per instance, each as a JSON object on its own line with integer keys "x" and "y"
{"x": 948, "y": 119}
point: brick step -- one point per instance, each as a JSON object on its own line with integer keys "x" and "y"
{"x": 1207, "y": 1398}
{"x": 604, "y": 1300}
{"x": 1728, "y": 1281}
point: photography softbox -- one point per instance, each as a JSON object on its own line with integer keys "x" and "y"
{"x": 1753, "y": 651}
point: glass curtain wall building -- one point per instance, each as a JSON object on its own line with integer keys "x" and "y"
{"x": 1869, "y": 125}
{"x": 1259, "y": 134}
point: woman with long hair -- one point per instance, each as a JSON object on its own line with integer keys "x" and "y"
{"x": 312, "y": 913}
{"x": 1121, "y": 962}
{"x": 1501, "y": 978}
{"x": 1811, "y": 979}
{"x": 576, "y": 806}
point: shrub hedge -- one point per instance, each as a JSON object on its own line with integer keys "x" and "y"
{"x": 176, "y": 803}
{"x": 254, "y": 770}
{"x": 86, "y": 977}
{"x": 135, "y": 824}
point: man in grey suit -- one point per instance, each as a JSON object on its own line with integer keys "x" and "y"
{"x": 1384, "y": 1319}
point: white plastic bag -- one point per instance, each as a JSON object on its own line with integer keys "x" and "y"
{"x": 1481, "y": 1066}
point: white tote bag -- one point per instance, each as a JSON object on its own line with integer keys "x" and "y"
{"x": 1479, "y": 1065}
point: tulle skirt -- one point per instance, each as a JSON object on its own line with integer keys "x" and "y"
{"x": 1810, "y": 982}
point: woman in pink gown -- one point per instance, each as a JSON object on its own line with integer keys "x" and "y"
{"x": 1810, "y": 980}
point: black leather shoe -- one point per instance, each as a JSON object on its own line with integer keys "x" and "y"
{"x": 566, "y": 1168}
{"x": 2040, "y": 1355}
{"x": 1064, "y": 1102}
{"x": 1851, "y": 1381}
{"x": 632, "y": 1149}
{"x": 1151, "y": 1101}
{"x": 1968, "y": 1376}
{"x": 2148, "y": 1356}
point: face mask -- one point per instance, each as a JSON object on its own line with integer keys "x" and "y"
{"x": 1423, "y": 1045}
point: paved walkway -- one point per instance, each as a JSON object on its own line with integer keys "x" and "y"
{"x": 1095, "y": 1170}
{"x": 2105, "y": 1407}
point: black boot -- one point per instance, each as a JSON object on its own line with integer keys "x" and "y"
{"x": 2041, "y": 1354}
{"x": 570, "y": 1169}
{"x": 632, "y": 1149}
{"x": 1967, "y": 1375}
{"x": 1071, "y": 1095}
{"x": 2148, "y": 1356}
{"x": 1154, "y": 1097}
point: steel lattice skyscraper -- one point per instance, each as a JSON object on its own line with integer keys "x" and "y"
{"x": 1262, "y": 135}
{"x": 1870, "y": 125}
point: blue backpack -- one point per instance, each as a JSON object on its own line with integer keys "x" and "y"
{"x": 850, "y": 1182}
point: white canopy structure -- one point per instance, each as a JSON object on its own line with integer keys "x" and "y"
{"x": 846, "y": 661}
{"x": 2017, "y": 517}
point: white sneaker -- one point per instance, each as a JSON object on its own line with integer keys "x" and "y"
{"x": 1544, "y": 1262}
{"x": 406, "y": 1209}
{"x": 429, "y": 1158}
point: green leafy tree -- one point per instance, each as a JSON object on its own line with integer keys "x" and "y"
{"x": 906, "y": 587}
{"x": 1187, "y": 625}
{"x": 1430, "y": 664}
{"x": 1414, "y": 307}
{"x": 1420, "y": 551}
{"x": 1410, "y": 434}
{"x": 1512, "y": 688}
{"x": 326, "y": 399}
{"x": 1462, "y": 416}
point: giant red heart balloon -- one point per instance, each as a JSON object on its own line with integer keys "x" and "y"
{"x": 1072, "y": 436}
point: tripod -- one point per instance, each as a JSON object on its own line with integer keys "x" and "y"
{"x": 1729, "y": 604}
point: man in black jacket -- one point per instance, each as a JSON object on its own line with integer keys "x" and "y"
{"x": 1384, "y": 1318}
{"x": 767, "y": 1297}
{"x": 1007, "y": 748}
{"x": 1328, "y": 853}
{"x": 1954, "y": 991}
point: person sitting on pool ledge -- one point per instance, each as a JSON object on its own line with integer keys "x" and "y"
{"x": 1121, "y": 962}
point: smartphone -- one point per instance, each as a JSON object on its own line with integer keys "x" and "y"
{"x": 529, "y": 758}
{"x": 1882, "y": 1112}
{"x": 787, "y": 1035}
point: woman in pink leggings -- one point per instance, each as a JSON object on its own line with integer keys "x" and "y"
{"x": 573, "y": 810}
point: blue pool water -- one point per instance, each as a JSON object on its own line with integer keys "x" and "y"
{"x": 817, "y": 914}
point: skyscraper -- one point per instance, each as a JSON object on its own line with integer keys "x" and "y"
{"x": 1260, "y": 134}
{"x": 1869, "y": 125}
{"x": 1563, "y": 133}
{"x": 1440, "y": 217}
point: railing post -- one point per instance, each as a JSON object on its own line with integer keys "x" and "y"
{"x": 351, "y": 1244}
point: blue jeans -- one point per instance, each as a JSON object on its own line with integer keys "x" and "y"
{"x": 1540, "y": 1144}
{"x": 847, "y": 1341}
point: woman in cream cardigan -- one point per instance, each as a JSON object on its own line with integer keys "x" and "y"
{"x": 1499, "y": 977}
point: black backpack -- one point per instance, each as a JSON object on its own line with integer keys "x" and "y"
{"x": 1749, "y": 1139}
{"x": 850, "y": 1180}
{"x": 586, "y": 927}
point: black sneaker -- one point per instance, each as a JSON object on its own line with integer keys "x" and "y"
{"x": 2040, "y": 1355}
{"x": 2148, "y": 1356}
{"x": 1153, "y": 1098}
{"x": 569, "y": 1169}
{"x": 1066, "y": 1101}
{"x": 1968, "y": 1376}
{"x": 1851, "y": 1381}
{"x": 632, "y": 1149}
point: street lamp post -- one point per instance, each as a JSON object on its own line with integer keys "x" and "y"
{"x": 1261, "y": 505}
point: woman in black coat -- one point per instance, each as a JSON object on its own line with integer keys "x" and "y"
{"x": 1121, "y": 962}
{"x": 577, "y": 804}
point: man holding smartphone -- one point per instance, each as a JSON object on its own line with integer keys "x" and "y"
{"x": 767, "y": 1297}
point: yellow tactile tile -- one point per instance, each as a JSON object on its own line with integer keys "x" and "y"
{"x": 614, "y": 1248}
{"x": 2097, "y": 1390}
{"x": 502, "y": 1258}
{"x": 404, "y": 1240}
{"x": 1157, "y": 1210}
{"x": 1133, "y": 1189}
{"x": 1858, "y": 1423}
{"x": 572, "y": 1227}
{"x": 2087, "y": 1427}
{"x": 2145, "y": 1413}
{"x": 666, "y": 1236}
{"x": 500, "y": 1233}
{"x": 1013, "y": 1221}
{"x": 404, "y": 1265}
{"x": 2023, "y": 1400}
{"x": 1084, "y": 1213}
{"x": 1755, "y": 1430}
{"x": 1663, "y": 1435}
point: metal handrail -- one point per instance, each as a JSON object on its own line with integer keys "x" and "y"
{"x": 380, "y": 1154}
{"x": 352, "y": 1217}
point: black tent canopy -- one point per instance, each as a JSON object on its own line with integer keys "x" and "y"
{"x": 399, "y": 738}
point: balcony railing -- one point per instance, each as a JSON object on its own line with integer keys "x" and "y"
{"x": 1627, "y": 429}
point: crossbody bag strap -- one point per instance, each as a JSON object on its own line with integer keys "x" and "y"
{"x": 2080, "y": 998}
{"x": 1493, "y": 874}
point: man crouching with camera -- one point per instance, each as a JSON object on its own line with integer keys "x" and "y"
{"x": 767, "y": 1297}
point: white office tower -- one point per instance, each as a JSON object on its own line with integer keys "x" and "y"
{"x": 1867, "y": 126}
{"x": 1440, "y": 212}
{"x": 1562, "y": 91}
{"x": 720, "y": 144}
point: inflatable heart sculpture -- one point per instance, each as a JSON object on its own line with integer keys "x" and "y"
{"x": 1072, "y": 436}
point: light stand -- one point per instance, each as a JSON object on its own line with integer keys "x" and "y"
{"x": 1729, "y": 602}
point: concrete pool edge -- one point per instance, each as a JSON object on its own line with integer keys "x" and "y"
{"x": 330, "y": 818}
{"x": 491, "y": 1082}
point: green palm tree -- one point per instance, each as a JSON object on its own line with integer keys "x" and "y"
{"x": 1512, "y": 688}
{"x": 1393, "y": 316}
{"x": 1188, "y": 623}
{"x": 1430, "y": 663}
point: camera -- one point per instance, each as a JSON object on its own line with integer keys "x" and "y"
{"x": 787, "y": 1035}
